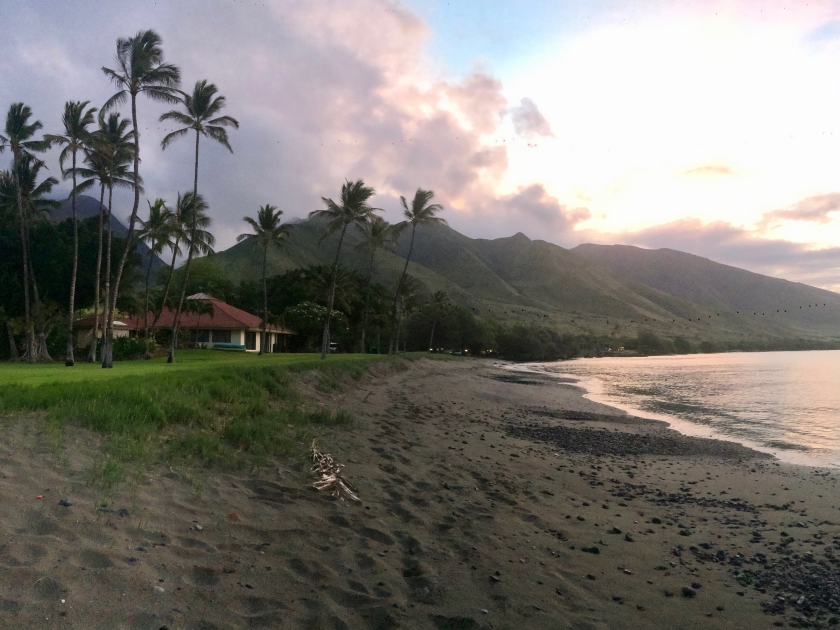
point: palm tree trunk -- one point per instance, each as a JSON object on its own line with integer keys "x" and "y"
{"x": 29, "y": 353}
{"x": 70, "y": 360}
{"x": 94, "y": 342}
{"x": 367, "y": 299}
{"x": 399, "y": 284}
{"x": 146, "y": 354}
{"x": 325, "y": 342}
{"x": 166, "y": 288}
{"x": 40, "y": 339}
{"x": 174, "y": 341}
{"x": 265, "y": 301}
{"x": 108, "y": 361}
{"x": 379, "y": 340}
{"x": 108, "y": 315}
{"x": 13, "y": 351}
{"x": 432, "y": 336}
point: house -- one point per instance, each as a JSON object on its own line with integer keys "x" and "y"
{"x": 213, "y": 324}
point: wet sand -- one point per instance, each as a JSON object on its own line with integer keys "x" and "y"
{"x": 489, "y": 500}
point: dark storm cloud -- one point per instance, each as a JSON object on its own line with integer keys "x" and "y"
{"x": 528, "y": 121}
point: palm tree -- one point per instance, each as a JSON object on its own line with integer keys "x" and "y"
{"x": 141, "y": 71}
{"x": 408, "y": 299}
{"x": 76, "y": 137}
{"x": 354, "y": 209}
{"x": 23, "y": 184}
{"x": 267, "y": 231}
{"x": 437, "y": 304}
{"x": 19, "y": 138}
{"x": 420, "y": 213}
{"x": 110, "y": 152}
{"x": 179, "y": 234}
{"x": 198, "y": 241}
{"x": 377, "y": 234}
{"x": 201, "y": 116}
{"x": 157, "y": 232}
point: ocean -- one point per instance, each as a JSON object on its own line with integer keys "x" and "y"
{"x": 784, "y": 403}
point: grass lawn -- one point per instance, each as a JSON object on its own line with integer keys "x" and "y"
{"x": 208, "y": 408}
{"x": 56, "y": 372}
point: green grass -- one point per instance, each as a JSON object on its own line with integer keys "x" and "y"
{"x": 208, "y": 408}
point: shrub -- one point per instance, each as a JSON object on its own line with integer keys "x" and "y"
{"x": 129, "y": 348}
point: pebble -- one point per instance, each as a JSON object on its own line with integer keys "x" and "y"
{"x": 159, "y": 590}
{"x": 197, "y": 527}
{"x": 484, "y": 611}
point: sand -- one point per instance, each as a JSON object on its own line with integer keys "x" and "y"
{"x": 483, "y": 494}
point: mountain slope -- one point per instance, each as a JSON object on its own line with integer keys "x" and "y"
{"x": 719, "y": 286}
{"x": 516, "y": 279}
{"x": 88, "y": 207}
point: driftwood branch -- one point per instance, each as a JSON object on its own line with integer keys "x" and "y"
{"x": 329, "y": 475}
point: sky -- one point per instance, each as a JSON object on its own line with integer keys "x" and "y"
{"x": 708, "y": 127}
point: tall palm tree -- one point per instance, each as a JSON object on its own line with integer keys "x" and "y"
{"x": 141, "y": 70}
{"x": 421, "y": 212}
{"x": 23, "y": 184}
{"x": 354, "y": 209}
{"x": 107, "y": 158}
{"x": 76, "y": 137}
{"x": 202, "y": 107}
{"x": 19, "y": 138}
{"x": 377, "y": 234}
{"x": 157, "y": 232}
{"x": 267, "y": 231}
{"x": 179, "y": 234}
{"x": 198, "y": 241}
{"x": 437, "y": 304}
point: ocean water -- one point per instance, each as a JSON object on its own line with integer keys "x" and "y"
{"x": 784, "y": 403}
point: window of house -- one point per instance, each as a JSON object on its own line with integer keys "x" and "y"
{"x": 221, "y": 336}
{"x": 201, "y": 336}
{"x": 250, "y": 341}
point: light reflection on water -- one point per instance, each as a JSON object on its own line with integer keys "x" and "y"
{"x": 786, "y": 403}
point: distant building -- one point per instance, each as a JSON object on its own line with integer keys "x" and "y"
{"x": 222, "y": 326}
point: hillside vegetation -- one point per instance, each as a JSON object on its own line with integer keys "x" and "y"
{"x": 589, "y": 290}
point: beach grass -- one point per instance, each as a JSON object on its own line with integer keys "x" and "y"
{"x": 208, "y": 408}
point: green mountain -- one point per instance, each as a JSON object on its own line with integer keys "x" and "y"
{"x": 718, "y": 286}
{"x": 517, "y": 279}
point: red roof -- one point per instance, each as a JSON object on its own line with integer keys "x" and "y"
{"x": 224, "y": 316}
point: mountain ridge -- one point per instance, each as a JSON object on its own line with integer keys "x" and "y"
{"x": 578, "y": 290}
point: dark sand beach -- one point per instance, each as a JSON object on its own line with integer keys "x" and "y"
{"x": 489, "y": 500}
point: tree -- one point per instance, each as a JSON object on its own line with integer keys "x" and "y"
{"x": 267, "y": 231}
{"x": 158, "y": 232}
{"x": 201, "y": 116}
{"x": 178, "y": 236}
{"x": 408, "y": 299}
{"x": 437, "y": 304}
{"x": 22, "y": 184}
{"x": 141, "y": 71}
{"x": 354, "y": 209}
{"x": 421, "y": 212}
{"x": 377, "y": 234}
{"x": 19, "y": 138}
{"x": 110, "y": 152}
{"x": 76, "y": 137}
{"x": 193, "y": 214}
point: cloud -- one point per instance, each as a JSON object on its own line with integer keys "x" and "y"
{"x": 323, "y": 92}
{"x": 536, "y": 206}
{"x": 732, "y": 245}
{"x": 814, "y": 209}
{"x": 710, "y": 169}
{"x": 528, "y": 121}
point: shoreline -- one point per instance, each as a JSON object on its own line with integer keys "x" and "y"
{"x": 592, "y": 389}
{"x": 487, "y": 502}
